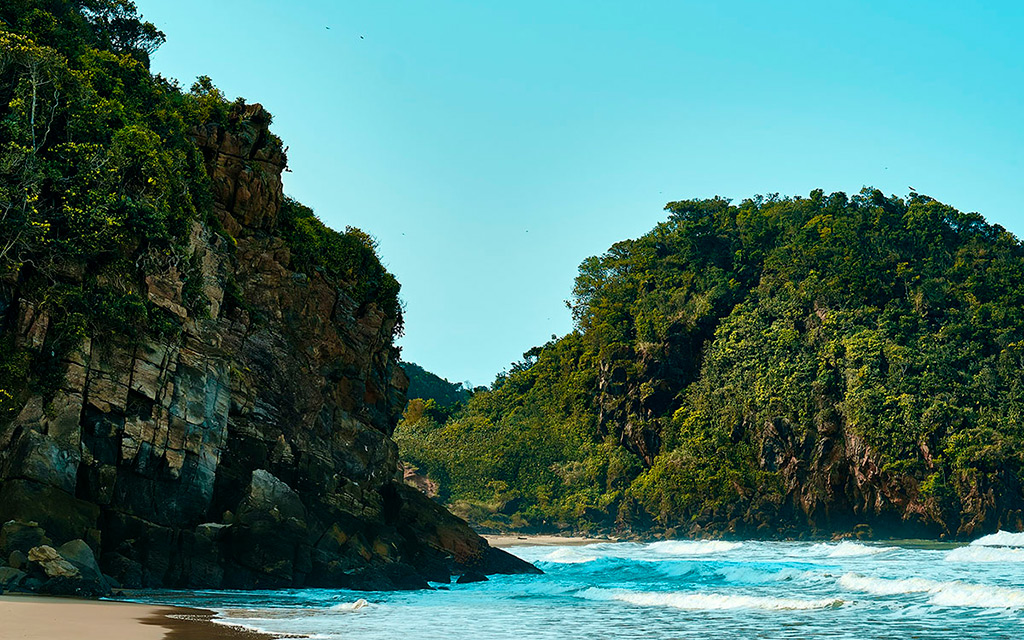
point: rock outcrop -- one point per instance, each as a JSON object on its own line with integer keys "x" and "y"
{"x": 252, "y": 450}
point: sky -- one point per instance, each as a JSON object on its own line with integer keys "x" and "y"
{"x": 491, "y": 146}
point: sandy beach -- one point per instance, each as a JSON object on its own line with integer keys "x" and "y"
{"x": 42, "y": 618}
{"x": 512, "y": 540}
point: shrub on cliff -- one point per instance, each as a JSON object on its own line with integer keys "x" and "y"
{"x": 349, "y": 258}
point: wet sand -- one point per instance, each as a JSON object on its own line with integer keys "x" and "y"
{"x": 43, "y": 618}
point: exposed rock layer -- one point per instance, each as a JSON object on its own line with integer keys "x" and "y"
{"x": 252, "y": 451}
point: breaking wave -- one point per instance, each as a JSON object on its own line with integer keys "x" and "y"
{"x": 847, "y": 549}
{"x": 692, "y": 547}
{"x": 997, "y": 547}
{"x": 1000, "y": 539}
{"x": 351, "y": 606}
{"x": 943, "y": 594}
{"x": 567, "y": 555}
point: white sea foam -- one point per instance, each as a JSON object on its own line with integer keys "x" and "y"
{"x": 260, "y": 621}
{"x": 705, "y": 601}
{"x": 847, "y": 549}
{"x": 886, "y": 586}
{"x": 943, "y": 594}
{"x": 997, "y": 547}
{"x": 1000, "y": 539}
{"x": 985, "y": 554}
{"x": 567, "y": 555}
{"x": 692, "y": 547}
{"x": 351, "y": 606}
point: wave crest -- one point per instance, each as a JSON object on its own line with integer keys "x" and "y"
{"x": 943, "y": 594}
{"x": 692, "y": 547}
{"x": 567, "y": 555}
{"x": 351, "y": 606}
{"x": 1000, "y": 539}
{"x": 985, "y": 554}
{"x": 847, "y": 549}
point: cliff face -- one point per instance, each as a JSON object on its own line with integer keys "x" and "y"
{"x": 251, "y": 450}
{"x": 824, "y": 479}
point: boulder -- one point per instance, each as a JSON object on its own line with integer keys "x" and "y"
{"x": 64, "y": 578}
{"x": 471, "y": 576}
{"x": 17, "y": 560}
{"x": 77, "y": 587}
{"x": 51, "y": 563}
{"x": 10, "y": 577}
{"x": 78, "y": 553}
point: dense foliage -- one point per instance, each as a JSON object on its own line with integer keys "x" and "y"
{"x": 427, "y": 386}
{"x": 349, "y": 258}
{"x": 101, "y": 184}
{"x": 898, "y": 321}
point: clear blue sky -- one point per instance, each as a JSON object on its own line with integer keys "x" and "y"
{"x": 491, "y": 146}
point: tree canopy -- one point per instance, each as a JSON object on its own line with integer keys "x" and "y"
{"x": 899, "y": 321}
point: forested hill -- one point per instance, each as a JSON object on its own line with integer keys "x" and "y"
{"x": 775, "y": 367}
{"x": 425, "y": 385}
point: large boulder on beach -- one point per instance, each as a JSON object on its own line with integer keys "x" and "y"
{"x": 52, "y": 563}
{"x": 78, "y": 553}
{"x": 61, "y": 576}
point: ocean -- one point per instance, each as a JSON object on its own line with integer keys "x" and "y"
{"x": 709, "y": 590}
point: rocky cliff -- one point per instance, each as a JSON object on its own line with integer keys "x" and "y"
{"x": 248, "y": 448}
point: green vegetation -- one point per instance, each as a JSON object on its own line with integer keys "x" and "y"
{"x": 348, "y": 258}
{"x": 899, "y": 322}
{"x": 427, "y": 386}
{"x": 101, "y": 184}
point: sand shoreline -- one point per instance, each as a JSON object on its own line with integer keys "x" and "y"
{"x": 27, "y": 617}
{"x": 502, "y": 541}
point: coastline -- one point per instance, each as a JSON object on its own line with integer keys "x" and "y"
{"x": 502, "y": 541}
{"x": 28, "y": 617}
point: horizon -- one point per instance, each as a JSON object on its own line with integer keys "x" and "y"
{"x": 573, "y": 125}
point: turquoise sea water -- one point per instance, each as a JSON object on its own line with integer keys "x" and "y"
{"x": 678, "y": 589}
